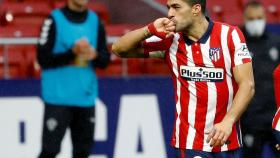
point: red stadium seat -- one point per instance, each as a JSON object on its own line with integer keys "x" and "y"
{"x": 100, "y": 9}
{"x": 15, "y": 60}
{"x": 218, "y": 9}
{"x": 38, "y": 8}
{"x": 120, "y": 29}
{"x": 235, "y": 18}
{"x": 20, "y": 31}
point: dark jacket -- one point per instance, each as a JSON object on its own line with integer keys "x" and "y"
{"x": 265, "y": 51}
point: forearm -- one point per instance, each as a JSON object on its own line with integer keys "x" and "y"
{"x": 130, "y": 41}
{"x": 240, "y": 102}
{"x": 48, "y": 60}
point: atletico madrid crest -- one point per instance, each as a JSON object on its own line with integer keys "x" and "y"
{"x": 214, "y": 54}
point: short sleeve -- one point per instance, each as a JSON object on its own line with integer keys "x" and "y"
{"x": 155, "y": 47}
{"x": 241, "y": 54}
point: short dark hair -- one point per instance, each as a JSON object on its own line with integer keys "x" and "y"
{"x": 253, "y": 3}
{"x": 201, "y": 2}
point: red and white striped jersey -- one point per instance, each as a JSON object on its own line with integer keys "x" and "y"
{"x": 204, "y": 84}
{"x": 276, "y": 76}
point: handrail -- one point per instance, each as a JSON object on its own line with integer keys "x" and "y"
{"x": 6, "y": 41}
{"x": 34, "y": 40}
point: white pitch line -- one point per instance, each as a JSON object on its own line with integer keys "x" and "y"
{"x": 161, "y": 8}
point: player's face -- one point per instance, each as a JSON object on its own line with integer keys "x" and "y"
{"x": 80, "y": 3}
{"x": 180, "y": 12}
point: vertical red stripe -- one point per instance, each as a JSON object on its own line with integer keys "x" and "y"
{"x": 182, "y": 153}
{"x": 276, "y": 77}
{"x": 185, "y": 95}
{"x": 202, "y": 98}
{"x": 233, "y": 138}
{"x": 222, "y": 87}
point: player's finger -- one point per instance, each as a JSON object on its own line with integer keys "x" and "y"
{"x": 277, "y": 146}
{"x": 220, "y": 140}
{"x": 214, "y": 139}
{"x": 170, "y": 23}
{"x": 171, "y": 28}
{"x": 169, "y": 34}
{"x": 210, "y": 135}
{"x": 166, "y": 21}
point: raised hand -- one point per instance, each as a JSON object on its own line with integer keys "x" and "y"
{"x": 162, "y": 27}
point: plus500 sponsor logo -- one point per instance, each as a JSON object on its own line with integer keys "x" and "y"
{"x": 202, "y": 74}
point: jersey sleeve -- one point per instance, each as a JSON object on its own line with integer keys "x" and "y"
{"x": 155, "y": 47}
{"x": 239, "y": 51}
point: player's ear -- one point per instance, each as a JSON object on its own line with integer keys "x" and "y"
{"x": 196, "y": 9}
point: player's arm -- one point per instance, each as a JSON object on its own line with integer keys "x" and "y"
{"x": 243, "y": 75}
{"x": 131, "y": 44}
{"x": 47, "y": 59}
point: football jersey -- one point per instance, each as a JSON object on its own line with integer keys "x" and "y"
{"x": 276, "y": 75}
{"x": 204, "y": 85}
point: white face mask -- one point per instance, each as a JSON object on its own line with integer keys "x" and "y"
{"x": 255, "y": 27}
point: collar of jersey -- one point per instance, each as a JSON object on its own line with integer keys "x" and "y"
{"x": 206, "y": 35}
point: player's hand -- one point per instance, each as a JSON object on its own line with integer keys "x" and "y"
{"x": 162, "y": 27}
{"x": 219, "y": 134}
{"x": 80, "y": 46}
{"x": 89, "y": 54}
{"x": 277, "y": 147}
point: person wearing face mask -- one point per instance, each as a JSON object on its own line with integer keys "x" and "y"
{"x": 264, "y": 48}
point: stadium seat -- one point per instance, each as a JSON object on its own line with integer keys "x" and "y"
{"x": 20, "y": 31}
{"x": 15, "y": 60}
{"x": 38, "y": 8}
{"x": 120, "y": 29}
{"x": 220, "y": 10}
{"x": 100, "y": 9}
{"x": 235, "y": 18}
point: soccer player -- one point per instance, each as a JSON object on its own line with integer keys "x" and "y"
{"x": 212, "y": 75}
{"x": 72, "y": 44}
{"x": 276, "y": 122}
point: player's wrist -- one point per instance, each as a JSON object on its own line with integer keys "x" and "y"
{"x": 147, "y": 33}
{"x": 229, "y": 120}
{"x": 153, "y": 31}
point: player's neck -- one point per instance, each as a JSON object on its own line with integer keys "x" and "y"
{"x": 197, "y": 29}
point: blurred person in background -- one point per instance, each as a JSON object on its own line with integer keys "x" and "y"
{"x": 276, "y": 121}
{"x": 264, "y": 48}
{"x": 212, "y": 75}
{"x": 72, "y": 44}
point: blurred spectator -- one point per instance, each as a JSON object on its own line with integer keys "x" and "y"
{"x": 72, "y": 43}
{"x": 264, "y": 47}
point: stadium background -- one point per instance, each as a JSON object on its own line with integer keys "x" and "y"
{"x": 135, "y": 107}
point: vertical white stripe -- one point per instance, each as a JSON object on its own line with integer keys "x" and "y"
{"x": 227, "y": 61}
{"x": 212, "y": 96}
{"x": 278, "y": 123}
{"x": 173, "y": 51}
{"x": 237, "y": 45}
{"x": 192, "y": 103}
